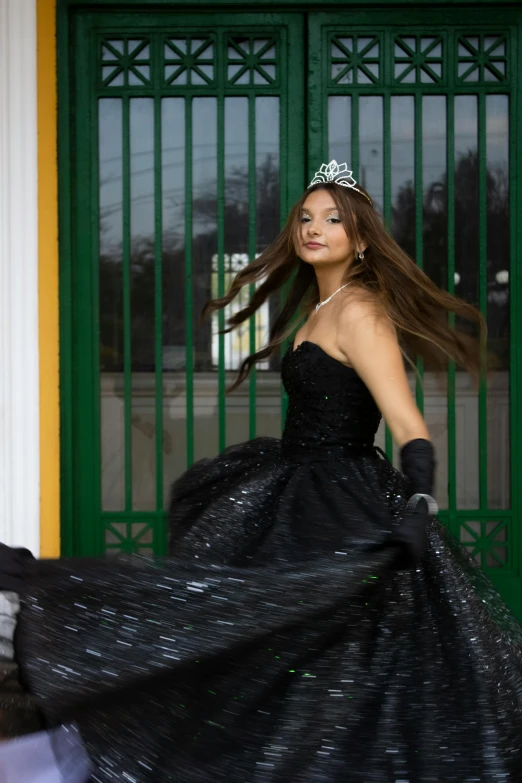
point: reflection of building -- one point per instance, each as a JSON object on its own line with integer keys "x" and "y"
{"x": 237, "y": 344}
{"x": 184, "y": 139}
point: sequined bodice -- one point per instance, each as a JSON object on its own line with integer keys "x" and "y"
{"x": 329, "y": 405}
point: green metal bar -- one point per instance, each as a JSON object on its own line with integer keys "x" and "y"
{"x": 251, "y": 252}
{"x": 221, "y": 268}
{"x": 189, "y": 343}
{"x": 297, "y": 104}
{"x": 158, "y": 305}
{"x": 150, "y": 517}
{"x": 483, "y": 300}
{"x": 98, "y": 531}
{"x": 355, "y": 135}
{"x": 451, "y": 394}
{"x": 515, "y": 293}
{"x": 416, "y": 14}
{"x": 409, "y": 89}
{"x": 419, "y": 226}
{"x": 283, "y": 209}
{"x": 316, "y": 103}
{"x": 478, "y": 514}
{"x": 387, "y": 212}
{"x": 70, "y": 525}
{"x": 127, "y": 348}
{"x": 169, "y": 91}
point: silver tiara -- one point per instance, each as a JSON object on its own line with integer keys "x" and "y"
{"x": 338, "y": 173}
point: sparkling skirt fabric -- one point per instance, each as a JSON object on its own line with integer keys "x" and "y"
{"x": 278, "y": 643}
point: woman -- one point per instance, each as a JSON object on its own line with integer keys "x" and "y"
{"x": 314, "y": 622}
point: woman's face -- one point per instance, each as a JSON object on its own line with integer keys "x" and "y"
{"x": 322, "y": 238}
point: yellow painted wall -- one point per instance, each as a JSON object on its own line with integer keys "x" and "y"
{"x": 48, "y": 280}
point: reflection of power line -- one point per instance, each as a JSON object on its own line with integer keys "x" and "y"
{"x": 377, "y": 141}
{"x": 117, "y": 176}
{"x": 182, "y": 149}
{"x": 374, "y": 140}
{"x": 177, "y": 193}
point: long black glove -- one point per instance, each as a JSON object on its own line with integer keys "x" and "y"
{"x": 418, "y": 465}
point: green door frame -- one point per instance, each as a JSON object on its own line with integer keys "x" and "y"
{"x": 63, "y": 6}
{"x": 77, "y": 214}
{"x": 78, "y": 162}
{"x": 508, "y": 580}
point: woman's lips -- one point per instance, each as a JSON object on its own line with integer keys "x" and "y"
{"x": 313, "y": 245}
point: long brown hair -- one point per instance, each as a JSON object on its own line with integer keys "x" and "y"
{"x": 422, "y": 313}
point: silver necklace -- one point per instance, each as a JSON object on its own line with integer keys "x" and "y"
{"x": 318, "y": 306}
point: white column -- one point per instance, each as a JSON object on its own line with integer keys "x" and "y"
{"x": 19, "y": 393}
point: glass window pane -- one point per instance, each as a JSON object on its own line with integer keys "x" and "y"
{"x": 204, "y": 247}
{"x": 173, "y": 157}
{"x": 268, "y": 221}
{"x": 340, "y": 128}
{"x": 498, "y": 307}
{"x": 237, "y": 214}
{"x": 435, "y": 255}
{"x": 403, "y": 171}
{"x": 142, "y": 281}
{"x": 466, "y": 286}
{"x": 110, "y": 157}
{"x": 371, "y": 147}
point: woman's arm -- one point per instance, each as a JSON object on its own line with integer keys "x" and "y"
{"x": 368, "y": 340}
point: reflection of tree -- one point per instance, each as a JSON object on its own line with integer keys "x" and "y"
{"x": 236, "y": 240}
{"x": 204, "y": 246}
{"x": 467, "y": 239}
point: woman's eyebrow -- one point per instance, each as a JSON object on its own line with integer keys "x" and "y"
{"x": 327, "y": 209}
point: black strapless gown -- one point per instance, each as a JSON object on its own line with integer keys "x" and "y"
{"x": 279, "y": 644}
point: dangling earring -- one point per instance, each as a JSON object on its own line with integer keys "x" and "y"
{"x": 361, "y": 255}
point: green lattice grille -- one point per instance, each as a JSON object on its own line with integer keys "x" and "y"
{"x": 189, "y": 141}
{"x": 125, "y": 62}
{"x": 423, "y": 116}
{"x": 355, "y": 59}
{"x": 482, "y": 58}
{"x": 418, "y": 58}
{"x": 191, "y": 128}
{"x": 487, "y": 541}
{"x": 189, "y": 61}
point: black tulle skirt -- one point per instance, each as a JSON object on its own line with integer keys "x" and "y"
{"x": 279, "y": 643}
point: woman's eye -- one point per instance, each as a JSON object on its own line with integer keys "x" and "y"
{"x": 305, "y": 219}
{"x": 334, "y": 219}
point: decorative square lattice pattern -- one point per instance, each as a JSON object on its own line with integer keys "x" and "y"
{"x": 482, "y": 58}
{"x": 125, "y": 62}
{"x": 129, "y": 537}
{"x": 487, "y": 542}
{"x": 189, "y": 61}
{"x": 418, "y": 59}
{"x": 251, "y": 60}
{"x": 355, "y": 59}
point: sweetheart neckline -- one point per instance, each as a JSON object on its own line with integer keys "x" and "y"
{"x": 316, "y": 345}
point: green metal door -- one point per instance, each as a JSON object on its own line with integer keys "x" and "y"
{"x": 185, "y": 139}
{"x": 427, "y": 114}
{"x": 188, "y": 136}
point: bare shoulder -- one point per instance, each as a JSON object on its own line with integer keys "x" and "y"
{"x": 361, "y": 310}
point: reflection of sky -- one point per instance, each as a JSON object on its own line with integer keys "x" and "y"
{"x": 141, "y": 122}
{"x": 402, "y": 137}
{"x": 173, "y": 156}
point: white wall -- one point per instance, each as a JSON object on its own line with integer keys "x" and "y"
{"x": 19, "y": 397}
